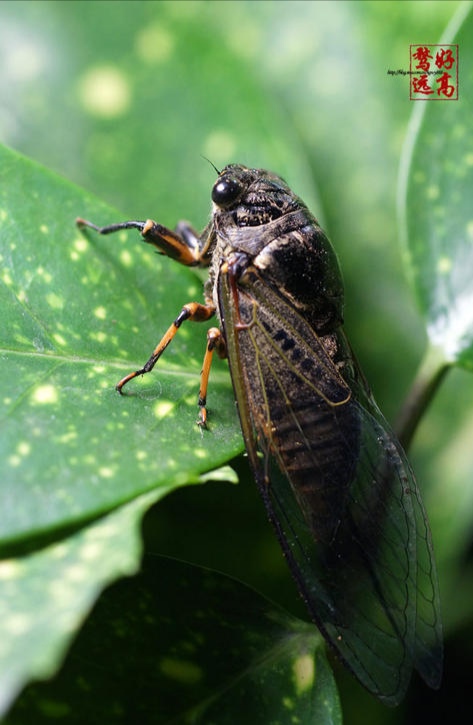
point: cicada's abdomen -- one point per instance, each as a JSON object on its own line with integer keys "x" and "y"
{"x": 319, "y": 456}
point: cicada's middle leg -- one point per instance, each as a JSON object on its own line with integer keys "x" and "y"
{"x": 193, "y": 311}
{"x": 215, "y": 341}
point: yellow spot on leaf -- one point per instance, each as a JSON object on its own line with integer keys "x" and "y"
{"x": 288, "y": 703}
{"x": 68, "y": 437}
{"x": 45, "y": 395}
{"x": 81, "y": 244}
{"x": 181, "y": 670}
{"x": 304, "y": 672}
{"x": 23, "y": 448}
{"x": 59, "y": 339}
{"x": 54, "y": 301}
{"x": 47, "y": 276}
{"x": 99, "y": 336}
{"x": 125, "y": 258}
{"x": 106, "y": 472}
{"x": 100, "y": 312}
{"x": 163, "y": 408}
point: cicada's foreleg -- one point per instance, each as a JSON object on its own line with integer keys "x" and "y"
{"x": 184, "y": 245}
{"x": 215, "y": 341}
{"x": 192, "y": 311}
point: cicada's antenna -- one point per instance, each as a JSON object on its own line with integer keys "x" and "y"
{"x": 211, "y": 164}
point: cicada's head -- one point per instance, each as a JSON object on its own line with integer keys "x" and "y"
{"x": 251, "y": 197}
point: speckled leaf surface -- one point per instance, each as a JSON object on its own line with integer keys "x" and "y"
{"x": 79, "y": 312}
{"x": 47, "y": 594}
{"x": 436, "y": 191}
{"x": 76, "y": 315}
{"x": 231, "y": 648}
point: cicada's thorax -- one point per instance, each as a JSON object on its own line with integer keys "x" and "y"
{"x": 271, "y": 230}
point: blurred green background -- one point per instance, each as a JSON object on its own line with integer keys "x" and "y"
{"x": 124, "y": 98}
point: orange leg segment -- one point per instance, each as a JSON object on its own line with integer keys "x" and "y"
{"x": 215, "y": 341}
{"x": 193, "y": 311}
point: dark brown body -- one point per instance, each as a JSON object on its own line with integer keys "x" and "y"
{"x": 295, "y": 366}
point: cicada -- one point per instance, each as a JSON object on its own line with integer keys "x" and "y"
{"x": 335, "y": 481}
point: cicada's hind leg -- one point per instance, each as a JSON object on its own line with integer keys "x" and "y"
{"x": 215, "y": 341}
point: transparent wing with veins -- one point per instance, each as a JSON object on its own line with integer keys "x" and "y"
{"x": 339, "y": 492}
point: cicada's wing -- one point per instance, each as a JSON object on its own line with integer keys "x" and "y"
{"x": 338, "y": 490}
{"x": 373, "y": 589}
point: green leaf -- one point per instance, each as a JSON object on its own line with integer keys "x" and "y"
{"x": 232, "y": 652}
{"x": 46, "y": 595}
{"x": 435, "y": 193}
{"x": 79, "y": 312}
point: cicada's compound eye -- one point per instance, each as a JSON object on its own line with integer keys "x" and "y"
{"x": 226, "y": 191}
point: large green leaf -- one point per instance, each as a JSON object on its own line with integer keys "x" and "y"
{"x": 73, "y": 312}
{"x": 436, "y": 189}
{"x": 47, "y": 594}
{"x": 78, "y": 312}
{"x": 230, "y": 657}
{"x": 434, "y": 205}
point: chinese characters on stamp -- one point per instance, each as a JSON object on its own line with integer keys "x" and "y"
{"x": 434, "y": 72}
